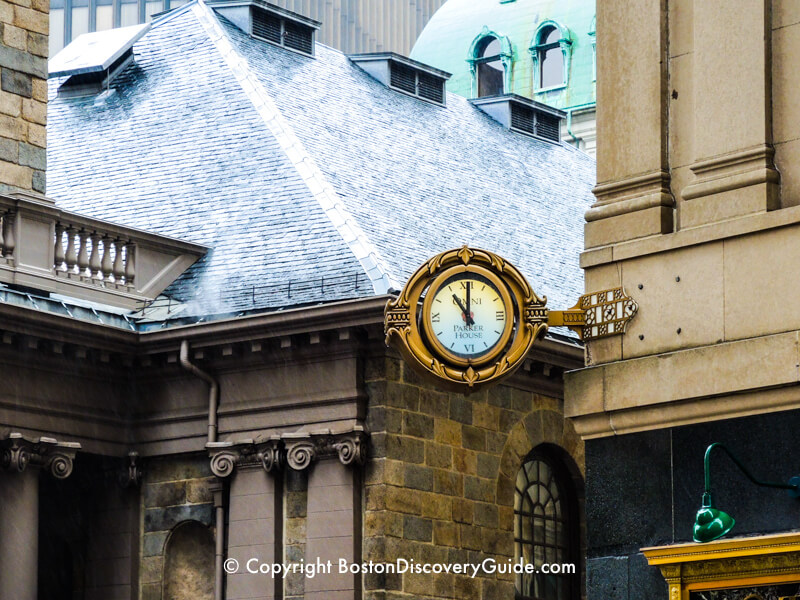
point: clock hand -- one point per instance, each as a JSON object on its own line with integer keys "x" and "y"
{"x": 470, "y": 320}
{"x": 464, "y": 311}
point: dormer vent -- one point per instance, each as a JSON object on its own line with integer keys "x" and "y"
{"x": 92, "y": 60}
{"x": 284, "y": 29}
{"x": 523, "y": 115}
{"x": 405, "y": 75}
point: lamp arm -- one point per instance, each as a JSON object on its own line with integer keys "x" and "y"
{"x": 707, "y": 471}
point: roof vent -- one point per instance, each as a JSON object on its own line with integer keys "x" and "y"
{"x": 270, "y": 23}
{"x": 523, "y": 115}
{"x": 93, "y": 59}
{"x": 405, "y": 75}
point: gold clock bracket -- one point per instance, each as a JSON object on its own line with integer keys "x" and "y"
{"x": 597, "y": 315}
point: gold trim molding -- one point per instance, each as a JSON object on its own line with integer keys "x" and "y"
{"x": 728, "y": 563}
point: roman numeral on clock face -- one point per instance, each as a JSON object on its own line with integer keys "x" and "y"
{"x": 500, "y": 315}
{"x": 435, "y": 318}
{"x": 469, "y": 347}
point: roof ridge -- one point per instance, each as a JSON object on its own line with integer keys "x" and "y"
{"x": 323, "y": 192}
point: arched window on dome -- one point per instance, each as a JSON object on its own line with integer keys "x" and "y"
{"x": 546, "y": 526}
{"x": 490, "y": 61}
{"x": 550, "y": 51}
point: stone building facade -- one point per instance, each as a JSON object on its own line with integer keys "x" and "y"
{"x": 696, "y": 216}
{"x": 23, "y": 95}
{"x": 203, "y": 377}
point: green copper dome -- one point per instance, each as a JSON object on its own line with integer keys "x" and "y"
{"x": 545, "y": 50}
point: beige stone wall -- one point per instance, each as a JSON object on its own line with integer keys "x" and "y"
{"x": 439, "y": 483}
{"x": 23, "y": 94}
{"x": 696, "y": 216}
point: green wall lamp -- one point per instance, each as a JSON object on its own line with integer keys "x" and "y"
{"x": 712, "y": 523}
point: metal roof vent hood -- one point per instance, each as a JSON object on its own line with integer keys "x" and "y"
{"x": 270, "y": 23}
{"x": 404, "y": 75}
{"x": 523, "y": 115}
{"x": 92, "y": 60}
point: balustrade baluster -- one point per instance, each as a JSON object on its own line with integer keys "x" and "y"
{"x": 2, "y": 218}
{"x": 119, "y": 266}
{"x": 130, "y": 263}
{"x": 83, "y": 253}
{"x": 105, "y": 265}
{"x": 8, "y": 234}
{"x": 72, "y": 254}
{"x": 58, "y": 248}
{"x": 94, "y": 259}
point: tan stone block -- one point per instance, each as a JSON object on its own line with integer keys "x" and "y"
{"x": 463, "y": 510}
{"x": 730, "y": 55}
{"x": 403, "y": 500}
{"x": 39, "y": 87}
{"x": 30, "y": 19}
{"x": 42, "y": 5}
{"x": 471, "y": 537}
{"x": 447, "y": 482}
{"x": 438, "y": 455}
{"x": 505, "y": 516}
{"x": 11, "y": 174}
{"x": 15, "y": 37}
{"x": 447, "y": 432}
{"x": 295, "y": 530}
{"x": 38, "y": 44}
{"x": 394, "y": 472}
{"x": 703, "y": 372}
{"x": 486, "y": 416}
{"x": 689, "y": 277}
{"x": 26, "y": 3}
{"x": 785, "y": 80}
{"x": 785, "y": 13}
{"x": 375, "y": 497}
{"x": 13, "y": 128}
{"x": 6, "y": 12}
{"x": 34, "y": 111}
{"x": 787, "y": 160}
{"x": 681, "y": 27}
{"x": 629, "y": 226}
{"x": 630, "y": 104}
{"x": 465, "y": 461}
{"x": 435, "y": 506}
{"x": 151, "y": 569}
{"x": 681, "y": 178}
{"x": 759, "y": 284}
{"x": 681, "y": 111}
{"x": 739, "y": 201}
{"x": 604, "y": 350}
{"x": 583, "y": 392}
{"x": 10, "y": 104}
{"x": 445, "y": 533}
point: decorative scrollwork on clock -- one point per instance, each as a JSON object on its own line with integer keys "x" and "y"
{"x": 465, "y": 318}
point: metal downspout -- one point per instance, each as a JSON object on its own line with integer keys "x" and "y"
{"x": 213, "y": 393}
{"x": 575, "y": 140}
{"x": 219, "y": 506}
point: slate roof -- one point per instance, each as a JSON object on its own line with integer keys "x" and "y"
{"x": 311, "y": 181}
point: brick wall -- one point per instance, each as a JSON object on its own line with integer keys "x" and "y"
{"x": 23, "y": 94}
{"x": 439, "y": 483}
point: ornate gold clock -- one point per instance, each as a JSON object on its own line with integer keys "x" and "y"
{"x": 466, "y": 318}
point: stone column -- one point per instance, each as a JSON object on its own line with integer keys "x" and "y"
{"x": 253, "y": 512}
{"x": 21, "y": 459}
{"x": 334, "y": 507}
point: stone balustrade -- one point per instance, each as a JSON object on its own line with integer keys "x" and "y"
{"x": 51, "y": 250}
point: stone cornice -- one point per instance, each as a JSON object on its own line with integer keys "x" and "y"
{"x": 297, "y": 450}
{"x": 19, "y": 452}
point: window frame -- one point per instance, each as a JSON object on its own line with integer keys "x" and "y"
{"x": 539, "y": 46}
{"x": 506, "y": 57}
{"x": 570, "y": 518}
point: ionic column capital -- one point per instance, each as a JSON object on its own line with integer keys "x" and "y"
{"x": 17, "y": 452}
{"x": 247, "y": 453}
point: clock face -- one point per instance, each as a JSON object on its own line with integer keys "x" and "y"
{"x": 468, "y": 315}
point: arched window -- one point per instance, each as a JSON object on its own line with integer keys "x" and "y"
{"x": 546, "y": 526}
{"x": 490, "y": 67}
{"x": 550, "y": 53}
{"x": 490, "y": 59}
